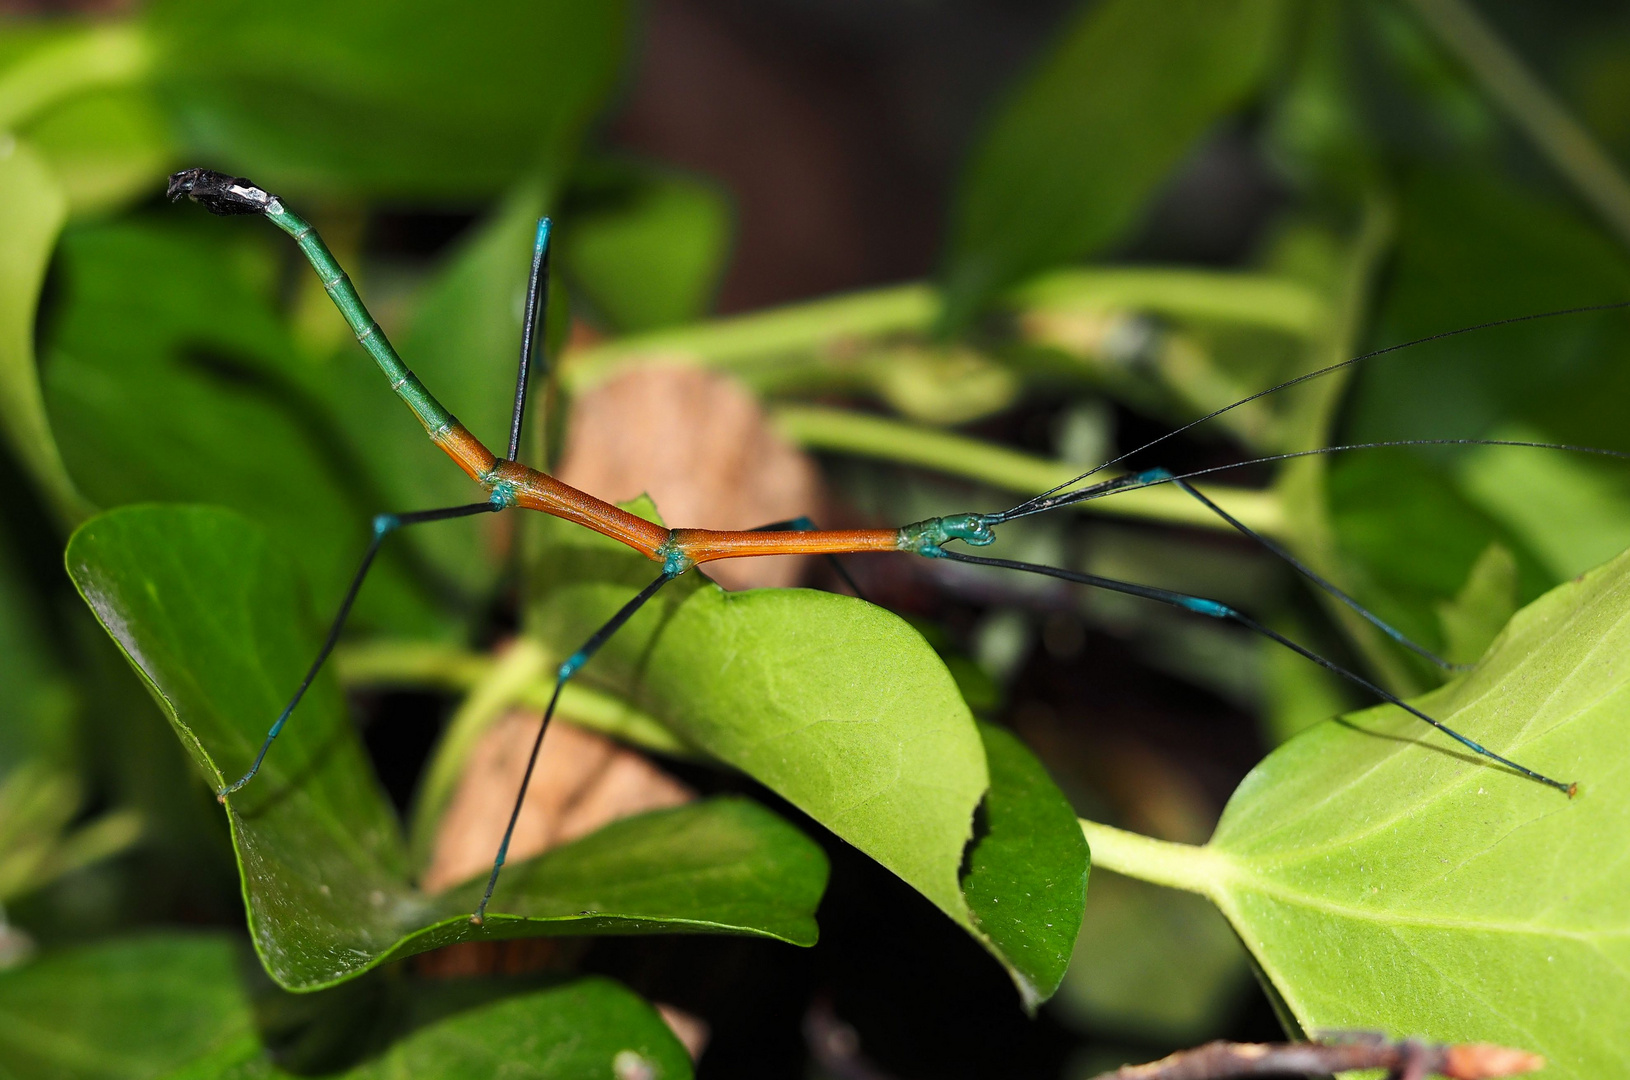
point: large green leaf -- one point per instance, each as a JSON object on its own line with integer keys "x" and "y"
{"x": 838, "y": 706}
{"x": 1384, "y": 878}
{"x": 209, "y": 617}
{"x": 174, "y": 1005}
{"x": 33, "y": 207}
{"x": 1090, "y": 134}
{"x": 1026, "y": 873}
{"x": 136, "y": 1008}
{"x": 420, "y": 97}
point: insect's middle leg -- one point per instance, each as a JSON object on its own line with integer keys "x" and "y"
{"x": 1199, "y": 605}
{"x": 384, "y": 525}
{"x": 567, "y": 670}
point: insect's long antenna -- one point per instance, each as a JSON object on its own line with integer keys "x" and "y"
{"x": 537, "y": 317}
{"x": 1026, "y": 506}
{"x": 1216, "y": 610}
{"x": 1156, "y": 477}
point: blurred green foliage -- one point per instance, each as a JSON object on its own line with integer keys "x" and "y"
{"x": 149, "y": 355}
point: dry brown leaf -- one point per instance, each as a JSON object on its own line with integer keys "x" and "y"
{"x": 690, "y": 1029}
{"x": 582, "y": 781}
{"x": 701, "y": 446}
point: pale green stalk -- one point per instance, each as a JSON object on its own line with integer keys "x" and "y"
{"x": 1537, "y": 112}
{"x": 864, "y": 435}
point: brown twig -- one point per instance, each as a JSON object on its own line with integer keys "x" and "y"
{"x": 1405, "y": 1059}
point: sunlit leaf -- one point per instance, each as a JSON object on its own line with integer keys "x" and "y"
{"x": 1385, "y": 878}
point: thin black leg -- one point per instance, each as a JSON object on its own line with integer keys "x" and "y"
{"x": 804, "y": 524}
{"x": 537, "y": 319}
{"x": 384, "y": 525}
{"x": 567, "y": 670}
{"x": 1216, "y": 610}
{"x": 1309, "y": 573}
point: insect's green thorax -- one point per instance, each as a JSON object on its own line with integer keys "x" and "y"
{"x": 928, "y": 537}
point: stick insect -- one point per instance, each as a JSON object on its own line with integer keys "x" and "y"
{"x": 512, "y": 485}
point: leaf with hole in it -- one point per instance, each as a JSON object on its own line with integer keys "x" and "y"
{"x": 838, "y": 706}
{"x": 174, "y": 1005}
{"x": 209, "y": 617}
{"x": 1385, "y": 878}
{"x": 1090, "y": 134}
{"x": 845, "y": 711}
{"x": 1026, "y": 877}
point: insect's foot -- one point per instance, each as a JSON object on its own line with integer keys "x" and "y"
{"x": 478, "y": 919}
{"x": 218, "y": 193}
{"x": 1573, "y": 789}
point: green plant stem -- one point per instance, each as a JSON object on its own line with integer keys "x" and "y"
{"x": 841, "y": 326}
{"x": 1260, "y": 300}
{"x": 111, "y": 54}
{"x": 445, "y": 667}
{"x": 1539, "y": 114}
{"x": 839, "y": 430}
{"x": 1159, "y": 862}
{"x": 488, "y": 700}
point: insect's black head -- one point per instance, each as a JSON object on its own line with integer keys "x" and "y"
{"x": 217, "y": 192}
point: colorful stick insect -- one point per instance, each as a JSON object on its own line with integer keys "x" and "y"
{"x": 512, "y": 485}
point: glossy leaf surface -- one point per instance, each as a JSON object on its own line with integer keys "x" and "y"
{"x": 208, "y": 616}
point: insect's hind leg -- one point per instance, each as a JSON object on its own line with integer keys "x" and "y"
{"x": 1158, "y": 476}
{"x": 1216, "y": 610}
{"x": 384, "y": 525}
{"x": 805, "y": 524}
{"x": 567, "y": 670}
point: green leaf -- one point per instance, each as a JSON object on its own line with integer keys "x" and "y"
{"x": 1027, "y": 869}
{"x": 173, "y": 1005}
{"x": 108, "y": 148}
{"x": 588, "y": 1028}
{"x": 172, "y": 379}
{"x": 33, "y": 207}
{"x": 1384, "y": 878}
{"x": 647, "y": 246}
{"x": 1089, "y": 136}
{"x": 1482, "y": 607}
{"x": 838, "y": 706}
{"x": 134, "y": 1008}
{"x": 208, "y": 616}
{"x": 411, "y": 99}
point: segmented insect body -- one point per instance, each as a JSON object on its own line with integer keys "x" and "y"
{"x": 509, "y": 484}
